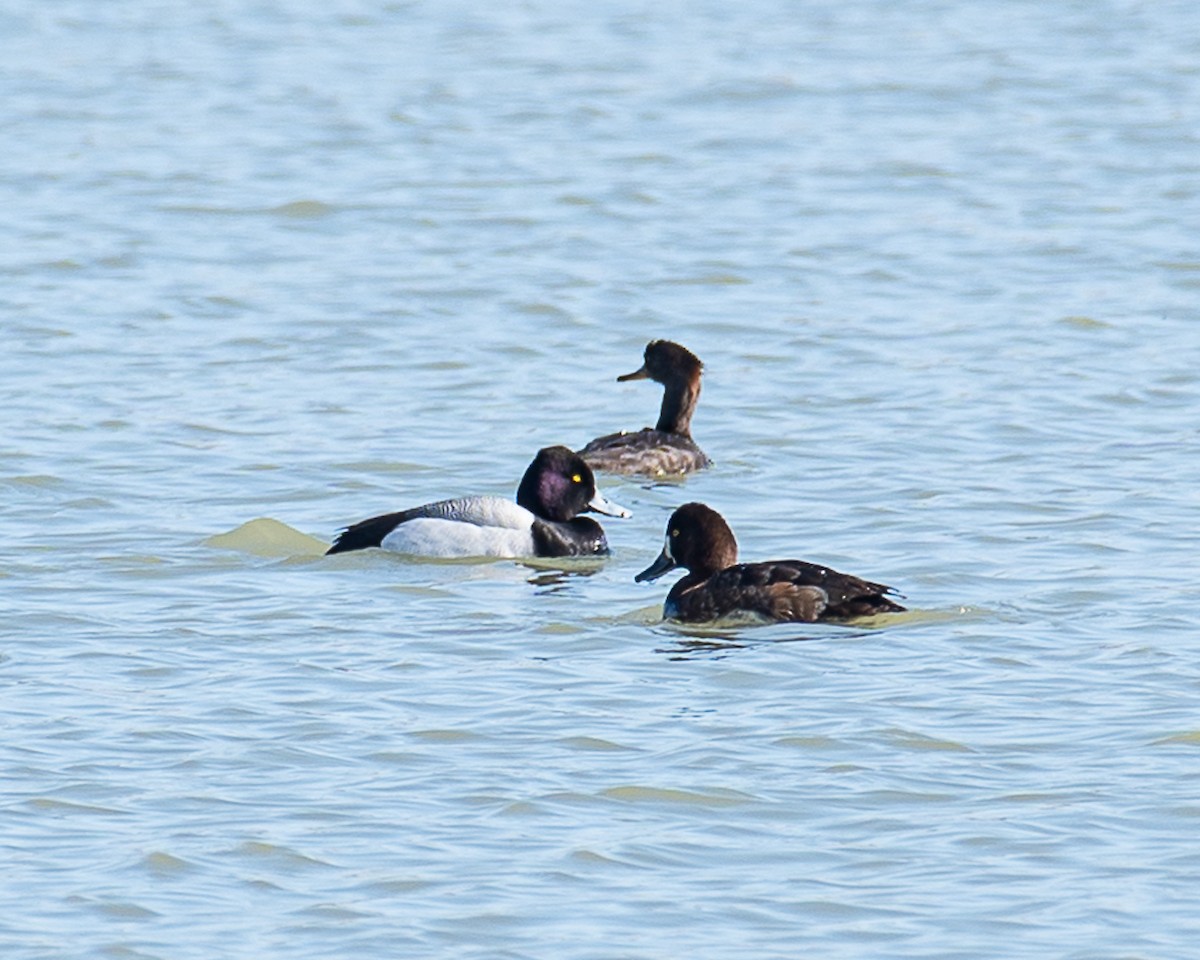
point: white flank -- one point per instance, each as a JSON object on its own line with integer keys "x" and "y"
{"x": 470, "y": 527}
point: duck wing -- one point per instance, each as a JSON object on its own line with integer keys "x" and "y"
{"x": 478, "y": 511}
{"x": 788, "y": 590}
{"x": 647, "y": 452}
{"x": 840, "y": 588}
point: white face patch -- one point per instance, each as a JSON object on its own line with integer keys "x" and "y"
{"x": 667, "y": 547}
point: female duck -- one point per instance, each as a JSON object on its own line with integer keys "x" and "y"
{"x": 544, "y": 522}
{"x": 669, "y": 447}
{"x": 699, "y": 540}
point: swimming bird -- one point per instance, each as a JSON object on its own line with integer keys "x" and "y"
{"x": 668, "y": 448}
{"x": 544, "y": 522}
{"x": 716, "y": 585}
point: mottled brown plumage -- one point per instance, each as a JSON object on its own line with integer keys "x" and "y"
{"x": 668, "y": 447}
{"x": 716, "y": 585}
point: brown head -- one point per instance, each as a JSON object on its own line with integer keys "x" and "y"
{"x": 698, "y": 539}
{"x": 678, "y": 370}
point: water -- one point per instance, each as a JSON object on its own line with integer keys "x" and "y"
{"x": 271, "y": 269}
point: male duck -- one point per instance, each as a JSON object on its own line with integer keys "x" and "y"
{"x": 544, "y": 522}
{"x": 669, "y": 447}
{"x": 699, "y": 540}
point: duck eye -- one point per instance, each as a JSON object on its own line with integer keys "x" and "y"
{"x": 675, "y": 532}
{"x": 576, "y": 478}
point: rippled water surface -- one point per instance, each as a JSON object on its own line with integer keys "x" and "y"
{"x": 268, "y": 269}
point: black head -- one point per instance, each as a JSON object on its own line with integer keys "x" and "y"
{"x": 667, "y": 362}
{"x": 559, "y": 486}
{"x": 698, "y": 539}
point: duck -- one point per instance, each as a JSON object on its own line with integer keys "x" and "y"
{"x": 668, "y": 447}
{"x": 716, "y": 585}
{"x": 543, "y": 522}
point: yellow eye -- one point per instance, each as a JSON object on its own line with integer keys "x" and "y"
{"x": 576, "y": 478}
{"x": 675, "y": 532}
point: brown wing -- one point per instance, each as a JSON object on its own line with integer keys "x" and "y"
{"x": 647, "y": 452}
{"x": 781, "y": 590}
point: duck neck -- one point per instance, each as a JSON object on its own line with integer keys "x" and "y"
{"x": 678, "y": 405}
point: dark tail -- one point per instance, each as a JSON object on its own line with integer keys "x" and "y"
{"x": 863, "y": 606}
{"x": 366, "y": 533}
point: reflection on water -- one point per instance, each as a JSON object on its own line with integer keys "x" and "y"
{"x": 552, "y": 579}
{"x": 732, "y": 634}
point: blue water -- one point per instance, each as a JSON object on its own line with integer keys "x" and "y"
{"x": 267, "y": 270}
